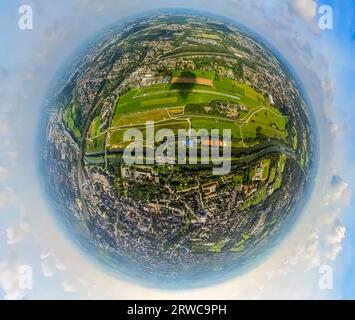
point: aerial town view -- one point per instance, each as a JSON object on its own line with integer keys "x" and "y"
{"x": 179, "y": 223}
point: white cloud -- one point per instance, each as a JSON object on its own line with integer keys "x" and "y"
{"x": 338, "y": 233}
{"x": 10, "y": 281}
{"x": 324, "y": 238}
{"x": 328, "y": 85}
{"x": 47, "y": 269}
{"x": 7, "y": 197}
{"x": 325, "y": 241}
{"x": 339, "y": 193}
{"x": 50, "y": 264}
{"x": 333, "y": 251}
{"x": 334, "y": 128}
{"x": 334, "y": 240}
{"x": 16, "y": 234}
{"x": 306, "y": 8}
{"x": 69, "y": 287}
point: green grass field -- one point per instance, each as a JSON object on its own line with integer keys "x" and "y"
{"x": 280, "y": 169}
{"x": 95, "y": 127}
{"x": 211, "y": 123}
{"x": 70, "y": 120}
{"x": 256, "y": 198}
{"x": 116, "y": 137}
{"x": 272, "y": 174}
{"x": 183, "y": 106}
{"x": 151, "y": 115}
{"x": 217, "y": 247}
{"x": 266, "y": 168}
{"x": 170, "y": 95}
{"x": 95, "y": 145}
{"x": 239, "y": 246}
{"x": 208, "y": 36}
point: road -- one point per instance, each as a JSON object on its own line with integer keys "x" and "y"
{"x": 257, "y": 152}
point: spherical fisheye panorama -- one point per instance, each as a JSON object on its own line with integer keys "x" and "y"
{"x": 178, "y": 149}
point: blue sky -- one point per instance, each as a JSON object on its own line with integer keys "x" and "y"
{"x": 28, "y": 234}
{"x": 344, "y": 35}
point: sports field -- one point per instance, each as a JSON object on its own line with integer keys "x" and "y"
{"x": 193, "y": 100}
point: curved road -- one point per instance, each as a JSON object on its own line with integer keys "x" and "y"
{"x": 261, "y": 150}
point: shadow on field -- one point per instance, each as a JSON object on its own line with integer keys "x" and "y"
{"x": 184, "y": 84}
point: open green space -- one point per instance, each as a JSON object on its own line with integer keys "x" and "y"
{"x": 225, "y": 105}
{"x": 170, "y": 95}
{"x": 256, "y": 198}
{"x": 213, "y": 123}
{"x": 280, "y": 169}
{"x": 95, "y": 127}
{"x": 206, "y": 35}
{"x": 116, "y": 137}
{"x": 97, "y": 144}
{"x": 239, "y": 246}
{"x": 266, "y": 167}
{"x": 70, "y": 119}
{"x": 272, "y": 174}
{"x": 217, "y": 247}
{"x": 195, "y": 74}
{"x": 151, "y": 115}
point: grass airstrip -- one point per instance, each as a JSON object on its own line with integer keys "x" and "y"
{"x": 191, "y": 100}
